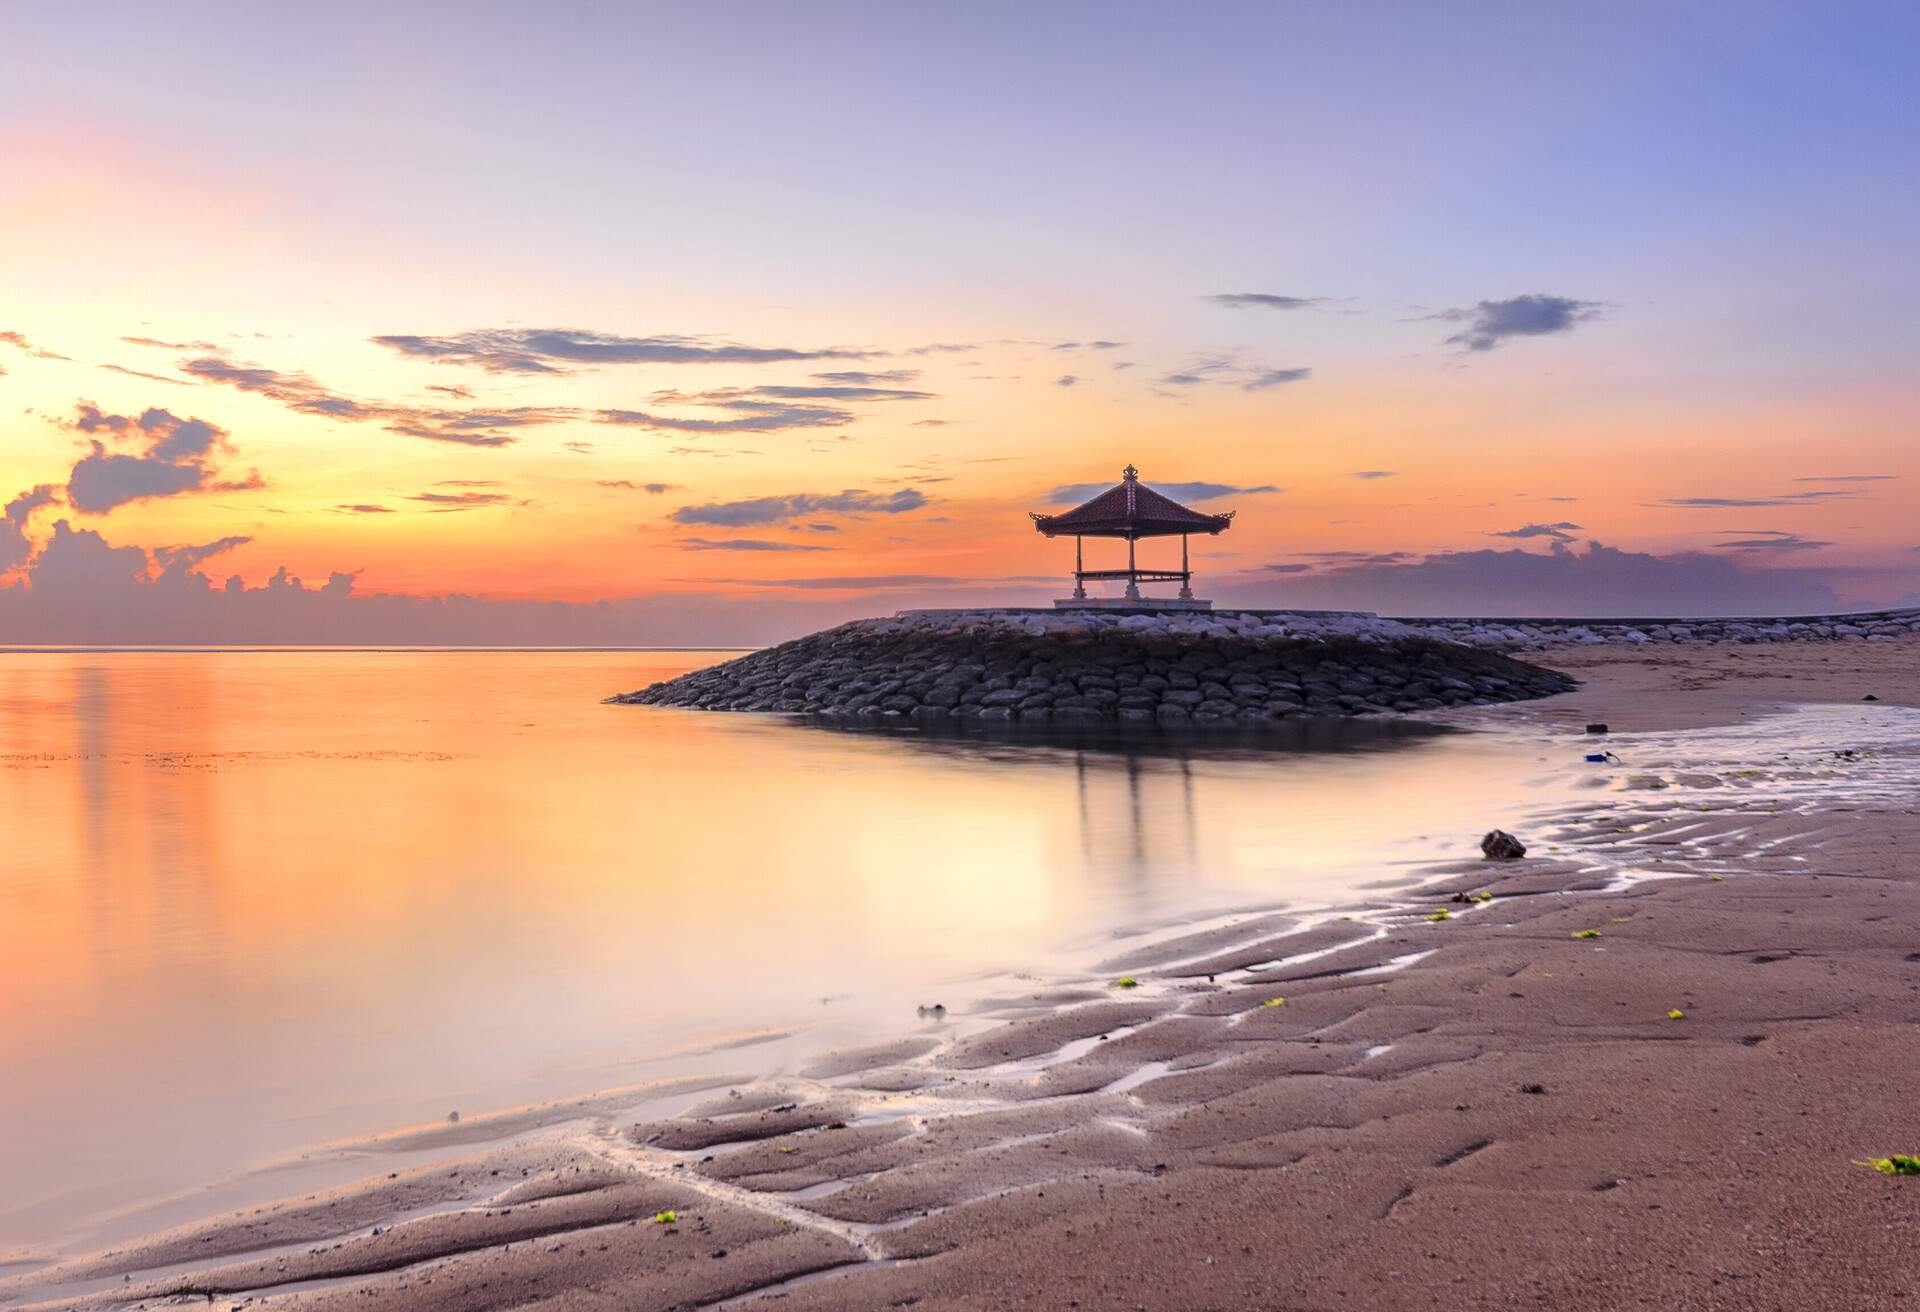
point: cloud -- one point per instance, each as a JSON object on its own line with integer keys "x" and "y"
{"x": 1353, "y": 557}
{"x": 1098, "y": 345}
{"x": 452, "y": 389}
{"x": 1849, "y": 478}
{"x": 1597, "y": 581}
{"x": 141, "y": 373}
{"x": 1264, "y": 301}
{"x": 171, "y": 456}
{"x": 170, "y": 346}
{"x": 868, "y": 378}
{"x": 1753, "y": 503}
{"x": 932, "y": 423}
{"x": 303, "y": 395}
{"x": 81, "y": 589}
{"x": 867, "y": 582}
{"x": 1266, "y": 378}
{"x": 15, "y": 545}
{"x": 186, "y": 558}
{"x": 1074, "y": 493}
{"x": 940, "y": 348}
{"x": 363, "y": 508}
{"x": 1226, "y": 370}
{"x": 1561, "y": 532}
{"x": 1372, "y": 474}
{"x": 833, "y": 392}
{"x": 1065, "y": 380}
{"x": 1490, "y": 323}
{"x": 629, "y": 485}
{"x": 745, "y": 544}
{"x": 1768, "y": 539}
{"x": 566, "y": 350}
{"x": 748, "y": 416}
{"x": 18, "y": 340}
{"x": 447, "y": 502}
{"x": 793, "y": 505}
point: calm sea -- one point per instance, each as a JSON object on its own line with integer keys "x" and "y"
{"x": 256, "y": 901}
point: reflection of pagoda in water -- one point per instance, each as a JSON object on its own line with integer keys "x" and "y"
{"x": 1132, "y": 510}
{"x": 1123, "y": 838}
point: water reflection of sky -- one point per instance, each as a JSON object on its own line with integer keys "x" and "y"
{"x": 258, "y": 900}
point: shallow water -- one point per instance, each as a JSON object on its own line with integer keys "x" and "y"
{"x": 256, "y": 901}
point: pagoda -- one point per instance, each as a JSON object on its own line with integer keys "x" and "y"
{"x": 1131, "y": 510}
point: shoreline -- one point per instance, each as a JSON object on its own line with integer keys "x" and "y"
{"x": 1263, "y": 1143}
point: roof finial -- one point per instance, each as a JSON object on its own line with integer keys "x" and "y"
{"x": 1131, "y": 474}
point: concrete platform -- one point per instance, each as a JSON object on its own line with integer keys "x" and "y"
{"x": 1132, "y": 603}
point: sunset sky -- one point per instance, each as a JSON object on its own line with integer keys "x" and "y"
{"x": 745, "y": 317}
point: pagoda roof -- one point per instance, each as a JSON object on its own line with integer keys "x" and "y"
{"x": 1130, "y": 509}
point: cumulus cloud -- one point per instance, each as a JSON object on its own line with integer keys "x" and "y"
{"x": 793, "y": 505}
{"x": 1597, "y": 581}
{"x": 1561, "y": 532}
{"x": 15, "y": 545}
{"x": 1073, "y": 493}
{"x": 82, "y": 589}
{"x": 567, "y": 350}
{"x": 745, "y": 544}
{"x": 1264, "y": 301}
{"x": 1490, "y": 323}
{"x": 170, "y": 455}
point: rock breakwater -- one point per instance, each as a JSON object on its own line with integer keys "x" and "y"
{"x": 1169, "y": 668}
{"x": 1534, "y": 635}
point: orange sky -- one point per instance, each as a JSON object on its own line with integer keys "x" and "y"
{"x": 1666, "y": 364}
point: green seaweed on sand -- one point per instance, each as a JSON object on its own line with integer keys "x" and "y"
{"x": 1676, "y": 1014}
{"x": 1586, "y": 933}
{"x": 1897, "y": 1164}
{"x": 1126, "y": 982}
{"x": 1274, "y": 1002}
{"x": 667, "y": 1217}
{"x": 1440, "y": 913}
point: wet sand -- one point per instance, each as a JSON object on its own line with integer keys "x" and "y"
{"x": 1494, "y": 1110}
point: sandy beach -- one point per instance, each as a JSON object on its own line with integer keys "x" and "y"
{"x": 1642, "y": 1074}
